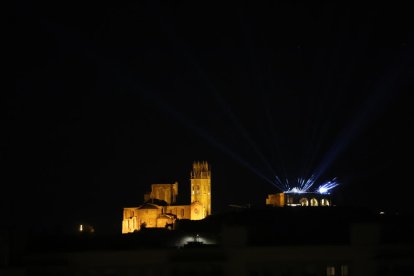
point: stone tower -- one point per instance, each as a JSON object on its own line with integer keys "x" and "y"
{"x": 201, "y": 187}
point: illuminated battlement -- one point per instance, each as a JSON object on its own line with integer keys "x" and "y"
{"x": 201, "y": 170}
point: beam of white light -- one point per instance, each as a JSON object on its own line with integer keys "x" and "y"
{"x": 220, "y": 100}
{"x": 304, "y": 185}
{"x": 326, "y": 187}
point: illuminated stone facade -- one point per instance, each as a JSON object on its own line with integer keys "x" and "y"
{"x": 298, "y": 199}
{"x": 165, "y": 192}
{"x": 201, "y": 187}
{"x": 160, "y": 209}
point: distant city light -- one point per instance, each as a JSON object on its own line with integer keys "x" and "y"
{"x": 86, "y": 228}
{"x": 197, "y": 238}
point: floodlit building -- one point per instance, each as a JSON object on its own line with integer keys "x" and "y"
{"x": 298, "y": 199}
{"x": 160, "y": 209}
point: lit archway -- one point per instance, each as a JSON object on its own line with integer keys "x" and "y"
{"x": 325, "y": 202}
{"x": 304, "y": 201}
{"x": 314, "y": 202}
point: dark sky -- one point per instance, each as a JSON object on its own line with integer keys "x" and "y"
{"x": 110, "y": 98}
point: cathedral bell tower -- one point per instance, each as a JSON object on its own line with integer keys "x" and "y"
{"x": 201, "y": 190}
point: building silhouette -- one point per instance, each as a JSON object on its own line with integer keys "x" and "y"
{"x": 314, "y": 241}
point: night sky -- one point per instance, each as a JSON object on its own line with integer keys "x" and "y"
{"x": 111, "y": 98}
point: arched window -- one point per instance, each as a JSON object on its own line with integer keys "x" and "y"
{"x": 304, "y": 201}
{"x": 314, "y": 202}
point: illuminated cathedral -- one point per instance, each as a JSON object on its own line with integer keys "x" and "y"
{"x": 160, "y": 210}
